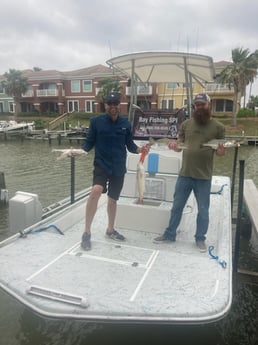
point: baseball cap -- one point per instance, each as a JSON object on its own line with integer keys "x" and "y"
{"x": 201, "y": 98}
{"x": 113, "y": 98}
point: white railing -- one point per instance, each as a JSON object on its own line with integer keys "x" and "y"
{"x": 28, "y": 93}
{"x": 140, "y": 90}
{"x": 214, "y": 87}
{"x": 47, "y": 92}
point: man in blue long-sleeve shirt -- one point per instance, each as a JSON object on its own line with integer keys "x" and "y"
{"x": 111, "y": 136}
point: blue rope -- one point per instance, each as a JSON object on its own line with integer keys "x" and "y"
{"x": 219, "y": 191}
{"x": 47, "y": 227}
{"x": 215, "y": 257}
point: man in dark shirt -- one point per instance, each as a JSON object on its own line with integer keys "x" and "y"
{"x": 110, "y": 135}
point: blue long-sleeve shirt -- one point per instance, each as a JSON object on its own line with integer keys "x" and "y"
{"x": 110, "y": 139}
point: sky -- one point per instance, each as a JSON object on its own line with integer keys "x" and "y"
{"x": 66, "y": 35}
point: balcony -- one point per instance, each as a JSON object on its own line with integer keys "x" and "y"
{"x": 140, "y": 90}
{"x": 47, "y": 92}
{"x": 28, "y": 93}
{"x": 215, "y": 87}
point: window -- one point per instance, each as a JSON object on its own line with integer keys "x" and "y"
{"x": 172, "y": 85}
{"x": 73, "y": 106}
{"x": 11, "y": 107}
{"x": 164, "y": 104}
{"x": 87, "y": 85}
{"x": 1, "y": 88}
{"x": 223, "y": 105}
{"x": 89, "y": 107}
{"x": 219, "y": 105}
{"x": 75, "y": 86}
{"x": 1, "y": 108}
{"x": 229, "y": 105}
{"x": 167, "y": 104}
{"x": 170, "y": 104}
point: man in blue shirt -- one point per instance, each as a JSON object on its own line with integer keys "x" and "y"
{"x": 111, "y": 136}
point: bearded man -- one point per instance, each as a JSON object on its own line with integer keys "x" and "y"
{"x": 196, "y": 171}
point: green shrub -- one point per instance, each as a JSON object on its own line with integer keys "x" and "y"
{"x": 82, "y": 115}
{"x": 40, "y": 124}
{"x": 246, "y": 113}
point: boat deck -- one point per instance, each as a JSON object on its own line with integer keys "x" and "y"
{"x": 132, "y": 281}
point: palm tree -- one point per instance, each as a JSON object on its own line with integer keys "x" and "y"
{"x": 15, "y": 85}
{"x": 239, "y": 74}
{"x": 253, "y": 102}
{"x": 107, "y": 85}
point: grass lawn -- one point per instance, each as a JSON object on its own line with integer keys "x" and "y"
{"x": 245, "y": 126}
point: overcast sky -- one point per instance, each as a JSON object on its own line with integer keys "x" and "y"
{"x": 72, "y": 34}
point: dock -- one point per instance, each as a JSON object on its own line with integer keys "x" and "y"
{"x": 79, "y": 135}
{"x": 244, "y": 139}
{"x": 50, "y": 136}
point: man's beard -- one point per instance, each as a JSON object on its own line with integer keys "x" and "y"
{"x": 202, "y": 116}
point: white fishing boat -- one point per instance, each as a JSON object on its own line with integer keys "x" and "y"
{"x": 14, "y": 127}
{"x": 135, "y": 281}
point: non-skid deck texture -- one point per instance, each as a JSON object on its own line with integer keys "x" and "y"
{"x": 134, "y": 280}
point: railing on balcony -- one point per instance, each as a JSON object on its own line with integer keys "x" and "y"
{"x": 215, "y": 87}
{"x": 47, "y": 92}
{"x": 43, "y": 93}
{"x": 140, "y": 90}
{"x": 28, "y": 93}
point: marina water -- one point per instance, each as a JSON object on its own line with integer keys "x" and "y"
{"x": 30, "y": 166}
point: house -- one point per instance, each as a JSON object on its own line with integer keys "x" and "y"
{"x": 52, "y": 91}
{"x": 174, "y": 95}
{"x": 6, "y": 102}
{"x": 221, "y": 95}
{"x": 63, "y": 92}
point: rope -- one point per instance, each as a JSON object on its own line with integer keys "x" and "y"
{"x": 48, "y": 227}
{"x": 215, "y": 257}
{"x": 23, "y": 234}
{"x": 221, "y": 189}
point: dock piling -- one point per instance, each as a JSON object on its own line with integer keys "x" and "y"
{"x": 3, "y": 190}
{"x": 239, "y": 215}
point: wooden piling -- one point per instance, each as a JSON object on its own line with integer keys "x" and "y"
{"x": 2, "y": 181}
{"x": 3, "y": 191}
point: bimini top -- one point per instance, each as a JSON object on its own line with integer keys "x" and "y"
{"x": 165, "y": 66}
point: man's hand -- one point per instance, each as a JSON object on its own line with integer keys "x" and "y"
{"x": 220, "y": 149}
{"x": 145, "y": 149}
{"x": 173, "y": 145}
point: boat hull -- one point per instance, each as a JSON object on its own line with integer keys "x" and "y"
{"x": 135, "y": 281}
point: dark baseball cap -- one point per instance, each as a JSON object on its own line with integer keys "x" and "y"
{"x": 113, "y": 98}
{"x": 201, "y": 98}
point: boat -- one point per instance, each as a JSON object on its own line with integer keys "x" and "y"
{"x": 15, "y": 127}
{"x": 136, "y": 281}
